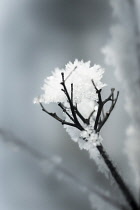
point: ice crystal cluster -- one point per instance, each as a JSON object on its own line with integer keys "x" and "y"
{"x": 84, "y": 98}
{"x": 78, "y": 73}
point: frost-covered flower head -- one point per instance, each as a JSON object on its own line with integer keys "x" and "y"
{"x": 80, "y": 75}
{"x": 77, "y": 91}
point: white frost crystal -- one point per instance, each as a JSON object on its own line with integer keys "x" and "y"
{"x": 78, "y": 73}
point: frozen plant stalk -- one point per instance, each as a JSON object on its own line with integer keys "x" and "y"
{"x": 77, "y": 91}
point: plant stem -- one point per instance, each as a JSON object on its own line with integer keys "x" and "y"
{"x": 123, "y": 187}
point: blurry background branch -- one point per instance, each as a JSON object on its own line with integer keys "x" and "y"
{"x": 123, "y": 53}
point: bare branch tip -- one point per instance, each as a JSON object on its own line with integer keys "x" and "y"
{"x": 41, "y": 105}
{"x": 112, "y": 89}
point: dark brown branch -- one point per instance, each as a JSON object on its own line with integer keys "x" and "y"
{"x": 110, "y": 97}
{"x": 97, "y": 91}
{"x": 98, "y": 122}
{"x": 99, "y": 107}
{"x": 90, "y": 116}
{"x": 54, "y": 115}
{"x": 98, "y": 116}
{"x": 108, "y": 113}
{"x": 71, "y": 104}
{"x": 103, "y": 114}
{"x": 80, "y": 115}
{"x": 65, "y": 111}
{"x": 72, "y": 93}
{"x": 68, "y": 97}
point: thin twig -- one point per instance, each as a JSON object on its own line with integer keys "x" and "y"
{"x": 98, "y": 91}
{"x": 80, "y": 115}
{"x": 88, "y": 120}
{"x": 65, "y": 111}
{"x": 54, "y": 115}
{"x": 103, "y": 112}
{"x": 71, "y": 104}
{"x": 108, "y": 113}
{"x": 70, "y": 73}
{"x": 110, "y": 97}
{"x": 72, "y": 93}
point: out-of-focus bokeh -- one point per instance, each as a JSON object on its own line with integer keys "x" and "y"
{"x": 40, "y": 167}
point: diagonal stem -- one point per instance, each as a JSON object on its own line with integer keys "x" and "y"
{"x": 123, "y": 187}
{"x": 65, "y": 111}
{"x": 55, "y": 116}
{"x": 80, "y": 115}
{"x": 71, "y": 104}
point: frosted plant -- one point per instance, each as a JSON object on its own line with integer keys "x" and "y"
{"x": 77, "y": 91}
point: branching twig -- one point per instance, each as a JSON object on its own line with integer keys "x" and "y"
{"x": 72, "y": 93}
{"x": 98, "y": 122}
{"x": 100, "y": 107}
{"x": 98, "y": 125}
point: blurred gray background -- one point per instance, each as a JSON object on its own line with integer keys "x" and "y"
{"x": 37, "y": 36}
